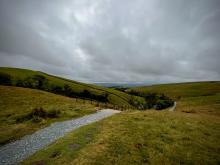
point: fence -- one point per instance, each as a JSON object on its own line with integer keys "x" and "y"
{"x": 102, "y": 104}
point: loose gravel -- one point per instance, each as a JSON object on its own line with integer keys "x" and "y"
{"x": 17, "y": 151}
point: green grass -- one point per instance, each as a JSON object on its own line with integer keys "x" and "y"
{"x": 199, "y": 97}
{"x": 140, "y": 138}
{"x": 183, "y": 90}
{"x": 115, "y": 97}
{"x": 69, "y": 147}
{"x": 189, "y": 135}
{"x": 16, "y": 103}
{"x": 203, "y": 105}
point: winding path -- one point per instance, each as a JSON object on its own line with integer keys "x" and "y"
{"x": 173, "y": 107}
{"x": 15, "y": 152}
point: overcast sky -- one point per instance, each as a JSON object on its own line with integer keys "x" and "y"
{"x": 113, "y": 40}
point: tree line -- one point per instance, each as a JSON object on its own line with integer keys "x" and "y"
{"x": 42, "y": 83}
{"x": 154, "y": 100}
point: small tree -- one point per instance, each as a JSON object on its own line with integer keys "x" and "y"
{"x": 5, "y": 79}
{"x": 86, "y": 94}
{"x": 68, "y": 91}
{"x": 57, "y": 89}
{"x": 40, "y": 81}
{"x": 19, "y": 83}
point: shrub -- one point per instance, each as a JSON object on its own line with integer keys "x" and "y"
{"x": 152, "y": 100}
{"x": 40, "y": 81}
{"x": 67, "y": 90}
{"x": 19, "y": 83}
{"x": 37, "y": 114}
{"x": 162, "y": 104}
{"x": 5, "y": 79}
{"x": 27, "y": 83}
{"x": 86, "y": 94}
{"x": 40, "y": 112}
{"x": 57, "y": 89}
{"x": 36, "y": 81}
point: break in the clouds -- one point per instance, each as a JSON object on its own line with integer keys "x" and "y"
{"x": 112, "y": 40}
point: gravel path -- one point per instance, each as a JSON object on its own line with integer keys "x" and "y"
{"x": 173, "y": 107}
{"x": 19, "y": 150}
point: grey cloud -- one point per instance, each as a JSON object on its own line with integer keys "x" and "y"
{"x": 111, "y": 40}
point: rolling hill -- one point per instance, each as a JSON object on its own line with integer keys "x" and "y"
{"x": 190, "y": 89}
{"x": 203, "y": 97}
{"x": 113, "y": 96}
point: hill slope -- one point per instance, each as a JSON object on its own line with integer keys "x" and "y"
{"x": 178, "y": 90}
{"x": 113, "y": 96}
{"x": 203, "y": 97}
{"x": 20, "y": 112}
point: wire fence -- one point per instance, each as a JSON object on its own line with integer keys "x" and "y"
{"x": 102, "y": 104}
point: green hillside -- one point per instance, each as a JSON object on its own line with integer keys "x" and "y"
{"x": 189, "y": 135}
{"x": 113, "y": 96}
{"x": 203, "y": 97}
{"x": 178, "y": 90}
{"x": 17, "y": 106}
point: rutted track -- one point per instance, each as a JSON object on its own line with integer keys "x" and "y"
{"x": 19, "y": 150}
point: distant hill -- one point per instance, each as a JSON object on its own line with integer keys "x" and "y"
{"x": 177, "y": 90}
{"x": 21, "y": 77}
{"x": 123, "y": 85}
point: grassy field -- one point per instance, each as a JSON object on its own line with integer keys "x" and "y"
{"x": 17, "y": 104}
{"x": 198, "y": 97}
{"x": 183, "y": 90}
{"x": 189, "y": 135}
{"x": 114, "y": 96}
{"x": 139, "y": 138}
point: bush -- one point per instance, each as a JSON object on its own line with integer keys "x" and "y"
{"x": 162, "y": 104}
{"x": 57, "y": 89}
{"x": 5, "y": 79}
{"x": 37, "y": 114}
{"x": 36, "y": 81}
{"x": 67, "y": 90}
{"x": 40, "y": 112}
{"x": 26, "y": 83}
{"x": 40, "y": 82}
{"x": 152, "y": 100}
{"x": 19, "y": 83}
{"x": 86, "y": 94}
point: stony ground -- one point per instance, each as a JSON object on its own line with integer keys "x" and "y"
{"x": 19, "y": 150}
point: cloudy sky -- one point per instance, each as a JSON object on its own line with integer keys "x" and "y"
{"x": 113, "y": 40}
